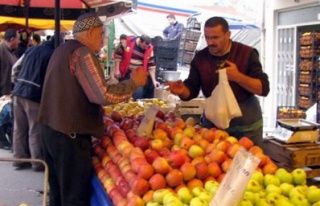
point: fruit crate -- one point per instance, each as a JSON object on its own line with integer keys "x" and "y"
{"x": 295, "y": 155}
{"x": 289, "y": 112}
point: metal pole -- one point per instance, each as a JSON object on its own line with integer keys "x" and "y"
{"x": 27, "y": 6}
{"x": 57, "y": 16}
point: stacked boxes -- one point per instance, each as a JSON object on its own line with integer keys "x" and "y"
{"x": 307, "y": 86}
{"x": 167, "y": 54}
{"x": 188, "y": 45}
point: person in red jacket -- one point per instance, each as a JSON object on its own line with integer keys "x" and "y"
{"x": 137, "y": 53}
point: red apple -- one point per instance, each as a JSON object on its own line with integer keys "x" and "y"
{"x": 157, "y": 181}
{"x": 176, "y": 158}
{"x": 174, "y": 178}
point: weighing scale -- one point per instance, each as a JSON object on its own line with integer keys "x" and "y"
{"x": 296, "y": 130}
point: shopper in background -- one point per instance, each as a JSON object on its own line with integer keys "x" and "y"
{"x": 71, "y": 112}
{"x": 244, "y": 72}
{"x": 24, "y": 43}
{"x": 174, "y": 30}
{"x": 36, "y": 40}
{"x": 26, "y": 101}
{"x": 7, "y": 59}
{"x": 137, "y": 53}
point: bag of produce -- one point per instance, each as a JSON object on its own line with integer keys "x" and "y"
{"x": 222, "y": 105}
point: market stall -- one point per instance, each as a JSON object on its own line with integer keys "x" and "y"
{"x": 175, "y": 160}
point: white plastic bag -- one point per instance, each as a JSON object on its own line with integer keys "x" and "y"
{"x": 236, "y": 180}
{"x": 222, "y": 105}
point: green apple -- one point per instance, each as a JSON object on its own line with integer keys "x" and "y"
{"x": 253, "y": 186}
{"x": 205, "y": 196}
{"x": 195, "y": 151}
{"x": 299, "y": 199}
{"x": 158, "y": 195}
{"x": 284, "y": 202}
{"x": 196, "y": 191}
{"x": 316, "y": 203}
{"x": 185, "y": 195}
{"x": 313, "y": 195}
{"x": 263, "y": 202}
{"x": 171, "y": 197}
{"x": 273, "y": 188}
{"x": 196, "y": 201}
{"x": 247, "y": 195}
{"x": 245, "y": 203}
{"x": 153, "y": 203}
{"x": 270, "y": 179}
{"x": 211, "y": 186}
{"x": 286, "y": 188}
{"x": 258, "y": 176}
{"x": 299, "y": 176}
{"x": 284, "y": 176}
{"x": 296, "y": 191}
{"x": 273, "y": 197}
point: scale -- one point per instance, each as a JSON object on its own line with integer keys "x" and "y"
{"x": 296, "y": 130}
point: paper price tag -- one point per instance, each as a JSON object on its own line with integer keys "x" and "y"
{"x": 145, "y": 127}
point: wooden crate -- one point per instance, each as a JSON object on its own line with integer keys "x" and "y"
{"x": 295, "y": 155}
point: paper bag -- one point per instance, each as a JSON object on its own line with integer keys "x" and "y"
{"x": 222, "y": 105}
{"x": 236, "y": 180}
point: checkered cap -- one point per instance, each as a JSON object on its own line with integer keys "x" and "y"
{"x": 86, "y": 22}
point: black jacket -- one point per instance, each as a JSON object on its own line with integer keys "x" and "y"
{"x": 34, "y": 66}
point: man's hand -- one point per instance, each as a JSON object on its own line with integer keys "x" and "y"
{"x": 139, "y": 76}
{"x": 232, "y": 71}
{"x": 117, "y": 74}
{"x": 176, "y": 87}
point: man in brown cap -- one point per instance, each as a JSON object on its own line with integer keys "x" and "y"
{"x": 71, "y": 112}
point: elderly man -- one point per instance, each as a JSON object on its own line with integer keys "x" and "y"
{"x": 70, "y": 110}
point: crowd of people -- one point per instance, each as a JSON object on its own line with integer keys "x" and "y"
{"x": 58, "y": 93}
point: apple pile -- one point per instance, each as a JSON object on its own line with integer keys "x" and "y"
{"x": 181, "y": 163}
{"x": 135, "y": 108}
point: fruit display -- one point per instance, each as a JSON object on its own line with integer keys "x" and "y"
{"x": 136, "y": 108}
{"x": 182, "y": 163}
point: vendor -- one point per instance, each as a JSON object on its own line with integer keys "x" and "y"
{"x": 245, "y": 76}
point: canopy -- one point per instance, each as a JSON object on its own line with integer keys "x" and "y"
{"x": 34, "y": 24}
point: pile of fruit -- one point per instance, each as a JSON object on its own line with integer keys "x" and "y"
{"x": 183, "y": 164}
{"x": 134, "y": 109}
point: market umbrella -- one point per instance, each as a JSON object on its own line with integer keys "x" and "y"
{"x": 62, "y": 9}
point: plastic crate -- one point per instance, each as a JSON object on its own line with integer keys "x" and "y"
{"x": 99, "y": 196}
{"x": 187, "y": 57}
{"x": 307, "y": 77}
{"x": 306, "y": 89}
{"x": 290, "y": 112}
{"x": 190, "y": 45}
{"x": 192, "y": 35}
{"x": 305, "y": 102}
{"x": 170, "y": 53}
{"x": 306, "y": 65}
{"x": 168, "y": 43}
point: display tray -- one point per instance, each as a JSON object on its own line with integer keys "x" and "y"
{"x": 297, "y": 124}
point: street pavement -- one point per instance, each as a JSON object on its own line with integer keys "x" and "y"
{"x": 19, "y": 187}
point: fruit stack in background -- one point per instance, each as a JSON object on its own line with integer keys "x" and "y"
{"x": 182, "y": 163}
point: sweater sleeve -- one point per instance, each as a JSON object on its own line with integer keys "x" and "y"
{"x": 255, "y": 71}
{"x": 87, "y": 69}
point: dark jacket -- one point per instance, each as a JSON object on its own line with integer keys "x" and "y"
{"x": 29, "y": 82}
{"x": 64, "y": 106}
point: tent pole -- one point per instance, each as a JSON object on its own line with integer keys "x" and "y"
{"x": 27, "y": 5}
{"x": 57, "y": 16}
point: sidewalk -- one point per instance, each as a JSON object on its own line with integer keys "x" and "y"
{"x": 19, "y": 186}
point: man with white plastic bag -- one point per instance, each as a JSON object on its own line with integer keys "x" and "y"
{"x": 245, "y": 76}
